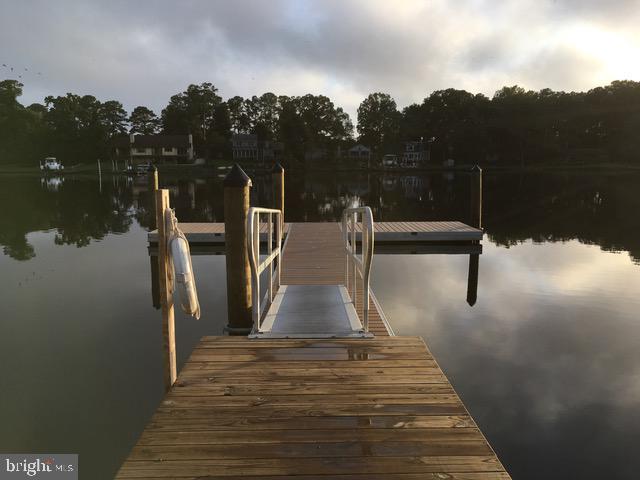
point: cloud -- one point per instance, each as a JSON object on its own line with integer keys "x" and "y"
{"x": 144, "y": 52}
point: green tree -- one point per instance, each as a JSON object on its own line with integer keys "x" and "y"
{"x": 237, "y": 115}
{"x": 218, "y": 141}
{"x": 144, "y": 121}
{"x": 192, "y": 112}
{"x": 113, "y": 118}
{"x": 379, "y": 121}
{"x": 81, "y": 127}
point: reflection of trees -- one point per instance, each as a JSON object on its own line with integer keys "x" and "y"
{"x": 596, "y": 208}
{"x": 77, "y": 210}
{"x": 27, "y": 207}
{"x": 84, "y": 214}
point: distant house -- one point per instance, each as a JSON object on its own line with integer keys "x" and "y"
{"x": 160, "y": 149}
{"x": 360, "y": 152}
{"x": 246, "y": 146}
{"x": 415, "y": 154}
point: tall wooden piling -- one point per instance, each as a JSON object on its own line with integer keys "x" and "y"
{"x": 476, "y": 197}
{"x": 236, "y": 209}
{"x": 166, "y": 293}
{"x": 277, "y": 176}
{"x": 152, "y": 187}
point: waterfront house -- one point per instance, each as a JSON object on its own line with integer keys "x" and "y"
{"x": 360, "y": 152}
{"x": 244, "y": 146}
{"x": 415, "y": 154}
{"x": 247, "y": 146}
{"x": 157, "y": 149}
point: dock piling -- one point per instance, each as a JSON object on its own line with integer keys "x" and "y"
{"x": 236, "y": 209}
{"x": 476, "y": 197}
{"x": 166, "y": 294}
{"x": 152, "y": 187}
{"x": 277, "y": 176}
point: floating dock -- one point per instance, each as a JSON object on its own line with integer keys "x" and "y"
{"x": 335, "y": 408}
{"x": 386, "y": 232}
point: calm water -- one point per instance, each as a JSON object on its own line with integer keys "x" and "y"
{"x": 547, "y": 360}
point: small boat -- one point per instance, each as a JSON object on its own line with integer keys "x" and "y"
{"x": 51, "y": 164}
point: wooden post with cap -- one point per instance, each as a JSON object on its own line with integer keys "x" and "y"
{"x": 152, "y": 186}
{"x": 277, "y": 176}
{"x": 476, "y": 197}
{"x": 237, "y": 186}
{"x": 166, "y": 291}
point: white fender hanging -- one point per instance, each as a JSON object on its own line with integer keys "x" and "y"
{"x": 183, "y": 279}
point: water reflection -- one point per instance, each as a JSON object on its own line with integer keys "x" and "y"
{"x": 593, "y": 208}
{"x": 546, "y": 360}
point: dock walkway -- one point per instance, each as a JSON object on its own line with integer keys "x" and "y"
{"x": 312, "y": 409}
{"x": 358, "y": 409}
{"x": 314, "y": 255}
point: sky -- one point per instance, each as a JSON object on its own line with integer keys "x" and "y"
{"x": 142, "y": 52}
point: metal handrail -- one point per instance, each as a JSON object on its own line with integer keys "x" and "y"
{"x": 257, "y": 267}
{"x": 353, "y": 263}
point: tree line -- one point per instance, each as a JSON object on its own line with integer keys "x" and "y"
{"x": 514, "y": 127}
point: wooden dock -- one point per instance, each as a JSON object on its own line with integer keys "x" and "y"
{"x": 311, "y": 409}
{"x": 386, "y": 232}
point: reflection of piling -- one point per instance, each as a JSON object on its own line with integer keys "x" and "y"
{"x": 99, "y": 176}
{"x": 472, "y": 281}
{"x": 166, "y": 294}
{"x": 155, "y": 282}
{"x": 277, "y": 176}
{"x": 152, "y": 186}
{"x": 476, "y": 197}
{"x": 236, "y": 210}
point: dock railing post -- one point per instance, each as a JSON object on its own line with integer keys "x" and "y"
{"x": 166, "y": 293}
{"x": 277, "y": 176}
{"x": 476, "y": 197}
{"x": 236, "y": 210}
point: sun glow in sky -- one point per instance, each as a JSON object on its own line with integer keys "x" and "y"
{"x": 143, "y": 52}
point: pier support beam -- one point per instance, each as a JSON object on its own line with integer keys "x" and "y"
{"x": 236, "y": 209}
{"x": 166, "y": 294}
{"x": 476, "y": 197}
{"x": 277, "y": 176}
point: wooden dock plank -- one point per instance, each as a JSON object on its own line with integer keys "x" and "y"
{"x": 392, "y": 232}
{"x": 230, "y": 420}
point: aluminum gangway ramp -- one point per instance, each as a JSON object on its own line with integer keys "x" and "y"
{"x": 314, "y": 310}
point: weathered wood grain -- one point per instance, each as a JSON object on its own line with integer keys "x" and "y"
{"x": 270, "y": 417}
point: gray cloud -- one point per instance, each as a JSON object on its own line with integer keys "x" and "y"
{"x": 144, "y": 52}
